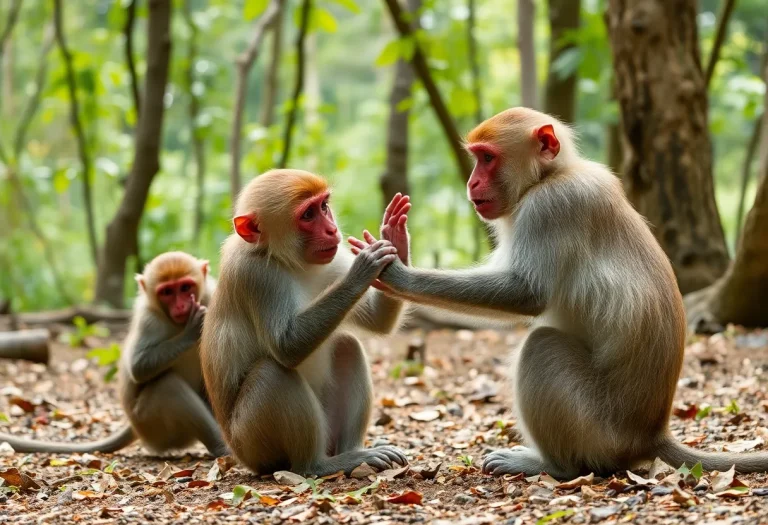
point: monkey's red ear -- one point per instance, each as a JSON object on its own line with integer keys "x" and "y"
{"x": 550, "y": 146}
{"x": 142, "y": 283}
{"x": 247, "y": 227}
{"x": 204, "y": 267}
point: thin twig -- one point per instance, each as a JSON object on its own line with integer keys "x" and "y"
{"x": 243, "y": 67}
{"x": 746, "y": 170}
{"x": 298, "y": 86}
{"x": 33, "y": 102}
{"x": 130, "y": 13}
{"x": 82, "y": 145}
{"x": 13, "y": 17}
{"x": 722, "y": 26}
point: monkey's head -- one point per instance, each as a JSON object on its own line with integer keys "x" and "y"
{"x": 513, "y": 151}
{"x": 288, "y": 213}
{"x": 172, "y": 283}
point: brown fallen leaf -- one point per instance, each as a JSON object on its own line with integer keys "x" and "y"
{"x": 743, "y": 445}
{"x": 578, "y": 482}
{"x": 618, "y": 485}
{"x": 304, "y": 516}
{"x": 588, "y": 494}
{"x": 217, "y": 505}
{"x": 735, "y": 492}
{"x": 362, "y": 471}
{"x": 425, "y": 415}
{"x": 86, "y": 494}
{"x": 694, "y": 440}
{"x": 286, "y": 477}
{"x": 409, "y": 497}
{"x": 268, "y": 500}
{"x": 166, "y": 473}
{"x": 394, "y": 473}
{"x": 186, "y": 473}
{"x": 198, "y": 483}
{"x": 640, "y": 480}
{"x": 16, "y": 478}
{"x": 659, "y": 469}
{"x": 548, "y": 481}
{"x": 684, "y": 498}
{"x": 430, "y": 471}
{"x": 109, "y": 512}
{"x": 722, "y": 481}
{"x": 24, "y": 404}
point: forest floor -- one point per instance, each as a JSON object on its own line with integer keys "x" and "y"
{"x": 446, "y": 416}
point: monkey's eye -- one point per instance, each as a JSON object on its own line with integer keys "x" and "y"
{"x": 324, "y": 206}
{"x": 488, "y": 157}
{"x": 308, "y": 214}
{"x": 186, "y": 287}
{"x": 166, "y": 291}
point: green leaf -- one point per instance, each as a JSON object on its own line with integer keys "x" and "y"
{"x": 359, "y": 493}
{"x": 111, "y": 467}
{"x": 105, "y": 356}
{"x": 324, "y": 20}
{"x": 60, "y": 181}
{"x": 240, "y": 492}
{"x": 404, "y": 105}
{"x": 254, "y": 8}
{"x": 554, "y": 516}
{"x": 697, "y": 471}
{"x": 110, "y": 375}
{"x": 80, "y": 322}
{"x": 733, "y": 408}
{"x": 349, "y": 4}
{"x": 407, "y": 48}
{"x": 58, "y": 462}
{"x": 567, "y": 63}
{"x": 703, "y": 412}
{"x": 389, "y": 55}
{"x": 4, "y": 417}
{"x": 683, "y": 470}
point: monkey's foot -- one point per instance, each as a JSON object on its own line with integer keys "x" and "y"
{"x": 379, "y": 458}
{"x": 394, "y": 453}
{"x": 513, "y": 461}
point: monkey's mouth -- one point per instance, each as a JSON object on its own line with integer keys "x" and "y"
{"x": 327, "y": 252}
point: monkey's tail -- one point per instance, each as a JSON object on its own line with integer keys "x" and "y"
{"x": 675, "y": 454}
{"x": 120, "y": 439}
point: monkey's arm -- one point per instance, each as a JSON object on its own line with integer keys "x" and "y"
{"x": 480, "y": 289}
{"x": 151, "y": 357}
{"x": 378, "y": 312}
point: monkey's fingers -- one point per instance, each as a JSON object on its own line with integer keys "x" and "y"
{"x": 395, "y": 219}
{"x": 383, "y": 287}
{"x": 401, "y": 222}
{"x": 405, "y": 201}
{"x": 356, "y": 251}
{"x": 357, "y": 243}
{"x": 393, "y": 454}
{"x": 391, "y": 206}
{"x": 368, "y": 237}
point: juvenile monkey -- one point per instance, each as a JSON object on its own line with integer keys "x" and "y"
{"x": 161, "y": 385}
{"x": 289, "y": 384}
{"x": 595, "y": 379}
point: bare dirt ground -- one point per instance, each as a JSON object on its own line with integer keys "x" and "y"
{"x": 446, "y": 416}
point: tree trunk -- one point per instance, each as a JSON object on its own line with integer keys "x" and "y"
{"x": 130, "y": 19}
{"x": 298, "y": 86}
{"x": 77, "y": 126}
{"x": 560, "y": 95}
{"x": 667, "y": 152}
{"x": 526, "y": 44}
{"x": 421, "y": 68}
{"x": 739, "y": 296}
{"x": 273, "y": 73}
{"x": 122, "y": 232}
{"x": 395, "y": 176}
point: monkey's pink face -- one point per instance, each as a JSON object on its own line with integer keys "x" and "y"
{"x": 482, "y": 188}
{"x": 318, "y": 229}
{"x": 177, "y": 297}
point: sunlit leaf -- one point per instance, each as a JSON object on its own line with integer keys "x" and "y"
{"x": 567, "y": 63}
{"x": 703, "y": 412}
{"x": 349, "y": 4}
{"x": 323, "y": 19}
{"x": 554, "y": 516}
{"x": 254, "y": 8}
{"x": 105, "y": 356}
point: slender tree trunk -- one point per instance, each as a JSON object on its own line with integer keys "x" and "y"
{"x": 421, "y": 68}
{"x": 740, "y": 295}
{"x": 197, "y": 142}
{"x": 668, "y": 156}
{"x": 560, "y": 95}
{"x": 395, "y": 177}
{"x": 312, "y": 100}
{"x": 122, "y": 232}
{"x": 273, "y": 73}
{"x": 77, "y": 126}
{"x": 306, "y": 9}
{"x": 526, "y": 44}
{"x": 130, "y": 18}
{"x": 746, "y": 170}
{"x": 243, "y": 67}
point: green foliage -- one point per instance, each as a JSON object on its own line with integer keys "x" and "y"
{"x": 703, "y": 412}
{"x": 467, "y": 460}
{"x": 108, "y": 357}
{"x": 83, "y": 330}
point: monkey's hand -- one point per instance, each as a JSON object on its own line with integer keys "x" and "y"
{"x": 371, "y": 259}
{"x": 194, "y": 326}
{"x": 358, "y": 246}
{"x": 394, "y": 227}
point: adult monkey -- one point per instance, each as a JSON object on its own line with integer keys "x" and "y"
{"x": 595, "y": 379}
{"x": 161, "y": 386}
{"x": 289, "y": 385}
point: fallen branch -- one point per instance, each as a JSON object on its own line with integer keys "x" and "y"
{"x": 30, "y": 345}
{"x": 91, "y": 314}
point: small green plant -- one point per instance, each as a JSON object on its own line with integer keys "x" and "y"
{"x": 703, "y": 412}
{"x": 467, "y": 460}
{"x": 358, "y": 494}
{"x": 83, "y": 330}
{"x": 732, "y": 408}
{"x": 316, "y": 494}
{"x": 407, "y": 368}
{"x": 108, "y": 357}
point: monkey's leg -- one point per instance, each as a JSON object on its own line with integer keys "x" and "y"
{"x": 347, "y": 399}
{"x": 169, "y": 413}
{"x": 278, "y": 422}
{"x": 555, "y": 405}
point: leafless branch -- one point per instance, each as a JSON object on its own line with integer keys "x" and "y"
{"x": 130, "y": 12}
{"x": 722, "y": 26}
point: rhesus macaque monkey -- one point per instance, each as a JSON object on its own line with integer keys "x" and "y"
{"x": 161, "y": 384}
{"x": 288, "y": 383}
{"x": 595, "y": 379}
